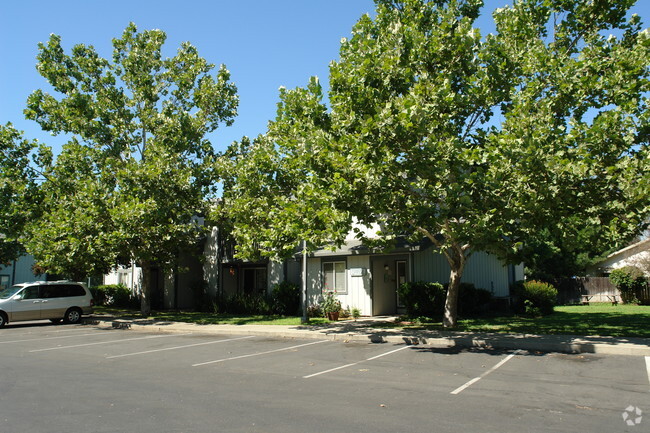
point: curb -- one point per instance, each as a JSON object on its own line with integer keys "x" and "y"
{"x": 538, "y": 343}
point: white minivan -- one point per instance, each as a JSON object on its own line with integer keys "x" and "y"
{"x": 54, "y": 300}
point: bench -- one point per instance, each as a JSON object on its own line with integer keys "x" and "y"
{"x": 611, "y": 298}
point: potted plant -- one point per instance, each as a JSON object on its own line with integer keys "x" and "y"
{"x": 331, "y": 306}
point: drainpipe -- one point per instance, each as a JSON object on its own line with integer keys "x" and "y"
{"x": 13, "y": 273}
{"x": 132, "y": 276}
{"x": 304, "y": 282}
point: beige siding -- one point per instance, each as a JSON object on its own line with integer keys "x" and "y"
{"x": 211, "y": 263}
{"x": 314, "y": 281}
{"x": 275, "y": 274}
{"x": 358, "y": 288}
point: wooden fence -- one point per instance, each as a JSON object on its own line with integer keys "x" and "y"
{"x": 571, "y": 290}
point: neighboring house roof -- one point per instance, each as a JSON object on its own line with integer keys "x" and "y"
{"x": 629, "y": 255}
{"x": 631, "y": 250}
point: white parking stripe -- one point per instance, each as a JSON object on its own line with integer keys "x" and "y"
{"x": 178, "y": 347}
{"x": 105, "y": 342}
{"x": 354, "y": 363}
{"x": 258, "y": 353}
{"x": 53, "y": 329}
{"x": 476, "y": 379}
{"x": 647, "y": 366}
{"x": 53, "y": 338}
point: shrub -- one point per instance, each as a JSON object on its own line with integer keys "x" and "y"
{"x": 286, "y": 298}
{"x": 115, "y": 295}
{"x": 534, "y": 297}
{"x": 422, "y": 299}
{"x": 314, "y": 311}
{"x": 471, "y": 300}
{"x": 629, "y": 280}
{"x": 331, "y": 303}
{"x": 202, "y": 299}
{"x": 243, "y": 303}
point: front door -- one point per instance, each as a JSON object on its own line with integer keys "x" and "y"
{"x": 387, "y": 273}
{"x": 401, "y": 277}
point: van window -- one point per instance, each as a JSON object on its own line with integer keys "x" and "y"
{"x": 51, "y": 291}
{"x": 8, "y": 293}
{"x": 75, "y": 290}
{"x": 62, "y": 290}
{"x": 31, "y": 292}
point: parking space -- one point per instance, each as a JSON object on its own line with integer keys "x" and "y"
{"x": 257, "y": 372}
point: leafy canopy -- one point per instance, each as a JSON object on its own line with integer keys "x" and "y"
{"x": 18, "y": 190}
{"x": 476, "y": 143}
{"x": 138, "y": 167}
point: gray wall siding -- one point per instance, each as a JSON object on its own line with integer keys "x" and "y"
{"x": 483, "y": 270}
{"x": 23, "y": 272}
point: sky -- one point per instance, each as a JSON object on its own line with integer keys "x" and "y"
{"x": 264, "y": 43}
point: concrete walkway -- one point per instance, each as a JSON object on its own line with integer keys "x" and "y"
{"x": 370, "y": 330}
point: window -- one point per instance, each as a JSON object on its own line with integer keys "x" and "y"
{"x": 255, "y": 280}
{"x": 334, "y": 277}
{"x": 31, "y": 292}
{"x": 62, "y": 290}
{"x": 4, "y": 282}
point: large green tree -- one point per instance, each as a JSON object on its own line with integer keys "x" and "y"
{"x": 138, "y": 167}
{"x": 18, "y": 190}
{"x": 476, "y": 143}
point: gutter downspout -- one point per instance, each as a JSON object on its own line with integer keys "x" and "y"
{"x": 304, "y": 282}
{"x": 13, "y": 273}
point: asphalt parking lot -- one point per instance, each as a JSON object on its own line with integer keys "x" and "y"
{"x": 85, "y": 379}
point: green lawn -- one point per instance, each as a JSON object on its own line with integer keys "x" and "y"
{"x": 207, "y": 318}
{"x": 595, "y": 319}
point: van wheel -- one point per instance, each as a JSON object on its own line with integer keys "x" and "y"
{"x": 3, "y": 319}
{"x": 73, "y": 315}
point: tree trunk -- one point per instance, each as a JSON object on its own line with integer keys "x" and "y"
{"x": 457, "y": 260}
{"x": 145, "y": 290}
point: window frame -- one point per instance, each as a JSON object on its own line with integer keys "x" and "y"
{"x": 255, "y": 290}
{"x": 7, "y": 278}
{"x": 324, "y": 289}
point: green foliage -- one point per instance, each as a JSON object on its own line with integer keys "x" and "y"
{"x": 471, "y": 300}
{"x": 242, "y": 303}
{"x": 202, "y": 299}
{"x": 18, "y": 191}
{"x": 314, "y": 311}
{"x": 138, "y": 167}
{"x": 331, "y": 303}
{"x": 629, "y": 280}
{"x": 286, "y": 298}
{"x": 474, "y": 143}
{"x": 534, "y": 297}
{"x": 114, "y": 295}
{"x": 422, "y": 299}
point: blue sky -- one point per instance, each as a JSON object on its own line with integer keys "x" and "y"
{"x": 264, "y": 43}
